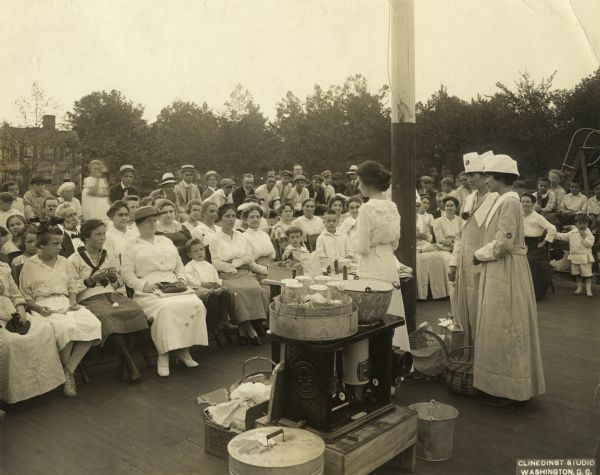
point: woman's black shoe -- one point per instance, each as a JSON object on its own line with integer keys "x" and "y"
{"x": 256, "y": 341}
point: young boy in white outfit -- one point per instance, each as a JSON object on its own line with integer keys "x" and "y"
{"x": 204, "y": 279}
{"x": 581, "y": 241}
{"x": 332, "y": 244}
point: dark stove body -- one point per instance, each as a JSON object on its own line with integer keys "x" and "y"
{"x": 311, "y": 392}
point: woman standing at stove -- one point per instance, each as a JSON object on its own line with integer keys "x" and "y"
{"x": 377, "y": 225}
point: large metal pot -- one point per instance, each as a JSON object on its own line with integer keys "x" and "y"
{"x": 372, "y": 297}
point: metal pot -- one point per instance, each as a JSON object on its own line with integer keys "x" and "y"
{"x": 372, "y": 297}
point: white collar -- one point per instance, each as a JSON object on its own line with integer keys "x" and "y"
{"x": 497, "y": 203}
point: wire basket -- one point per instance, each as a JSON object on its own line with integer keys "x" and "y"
{"x": 459, "y": 371}
{"x": 429, "y": 353}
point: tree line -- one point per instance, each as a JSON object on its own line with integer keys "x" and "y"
{"x": 334, "y": 128}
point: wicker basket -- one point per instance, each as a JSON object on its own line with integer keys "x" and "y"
{"x": 458, "y": 371}
{"x": 429, "y": 353}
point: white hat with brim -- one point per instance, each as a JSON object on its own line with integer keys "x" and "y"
{"x": 353, "y": 169}
{"x": 186, "y": 168}
{"x": 167, "y": 179}
{"x": 126, "y": 168}
{"x": 501, "y": 164}
{"x": 473, "y": 162}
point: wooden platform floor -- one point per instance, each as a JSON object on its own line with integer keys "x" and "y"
{"x": 156, "y": 427}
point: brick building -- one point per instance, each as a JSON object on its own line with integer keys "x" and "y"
{"x": 39, "y": 151}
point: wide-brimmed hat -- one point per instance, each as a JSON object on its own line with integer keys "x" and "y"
{"x": 353, "y": 169}
{"x": 167, "y": 179}
{"x": 146, "y": 212}
{"x": 501, "y": 164}
{"x": 126, "y": 168}
{"x": 64, "y": 186}
{"x": 299, "y": 178}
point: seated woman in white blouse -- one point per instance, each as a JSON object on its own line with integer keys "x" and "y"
{"x": 539, "y": 233}
{"x": 263, "y": 252}
{"x": 309, "y": 223}
{"x": 431, "y": 266}
{"x": 232, "y": 257}
{"x": 179, "y": 319}
{"x": 286, "y": 216}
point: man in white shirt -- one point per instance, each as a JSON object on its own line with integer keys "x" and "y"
{"x": 327, "y": 186}
{"x": 269, "y": 196}
{"x": 573, "y": 203}
{"x": 331, "y": 244}
{"x": 298, "y": 194}
{"x": 186, "y": 190}
{"x": 284, "y": 184}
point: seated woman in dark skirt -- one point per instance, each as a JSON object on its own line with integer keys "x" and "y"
{"x": 539, "y": 233}
{"x": 232, "y": 257}
{"x": 98, "y": 278}
{"x": 168, "y": 226}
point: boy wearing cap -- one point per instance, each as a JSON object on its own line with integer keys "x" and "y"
{"x": 327, "y": 186}
{"x": 269, "y": 195}
{"x": 186, "y": 190}
{"x": 284, "y": 184}
{"x": 35, "y": 196}
{"x": 222, "y": 195}
{"x": 125, "y": 186}
{"x": 298, "y": 194}
{"x": 316, "y": 190}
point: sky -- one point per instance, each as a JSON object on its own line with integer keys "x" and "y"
{"x": 156, "y": 51}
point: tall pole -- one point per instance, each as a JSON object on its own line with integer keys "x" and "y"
{"x": 402, "y": 72}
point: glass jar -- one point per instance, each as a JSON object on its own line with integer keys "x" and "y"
{"x": 284, "y": 282}
{"x": 336, "y": 291}
{"x": 306, "y": 281}
{"x": 322, "y": 279}
{"x": 292, "y": 293}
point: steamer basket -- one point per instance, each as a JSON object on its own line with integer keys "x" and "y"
{"x": 313, "y": 324}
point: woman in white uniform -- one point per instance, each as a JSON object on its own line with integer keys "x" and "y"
{"x": 179, "y": 318}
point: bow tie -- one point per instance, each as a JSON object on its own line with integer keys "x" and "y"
{"x": 75, "y": 236}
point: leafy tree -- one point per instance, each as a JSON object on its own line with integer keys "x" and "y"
{"x": 185, "y": 133}
{"x": 111, "y": 128}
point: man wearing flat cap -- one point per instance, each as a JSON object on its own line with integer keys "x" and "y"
{"x": 316, "y": 190}
{"x": 186, "y": 190}
{"x": 125, "y": 186}
{"x": 36, "y": 195}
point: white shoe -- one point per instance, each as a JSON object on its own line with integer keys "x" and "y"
{"x": 185, "y": 357}
{"x": 70, "y": 388}
{"x": 162, "y": 365}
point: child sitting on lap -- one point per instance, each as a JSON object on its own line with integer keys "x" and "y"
{"x": 204, "y": 279}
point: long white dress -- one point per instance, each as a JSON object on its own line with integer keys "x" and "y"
{"x": 50, "y": 287}
{"x": 431, "y": 265}
{"x": 29, "y": 364}
{"x": 179, "y": 320}
{"x": 508, "y": 360}
{"x": 95, "y": 206}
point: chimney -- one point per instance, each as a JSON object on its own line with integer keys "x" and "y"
{"x": 49, "y": 122}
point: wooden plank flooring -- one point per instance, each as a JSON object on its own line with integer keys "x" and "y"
{"x": 156, "y": 427}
